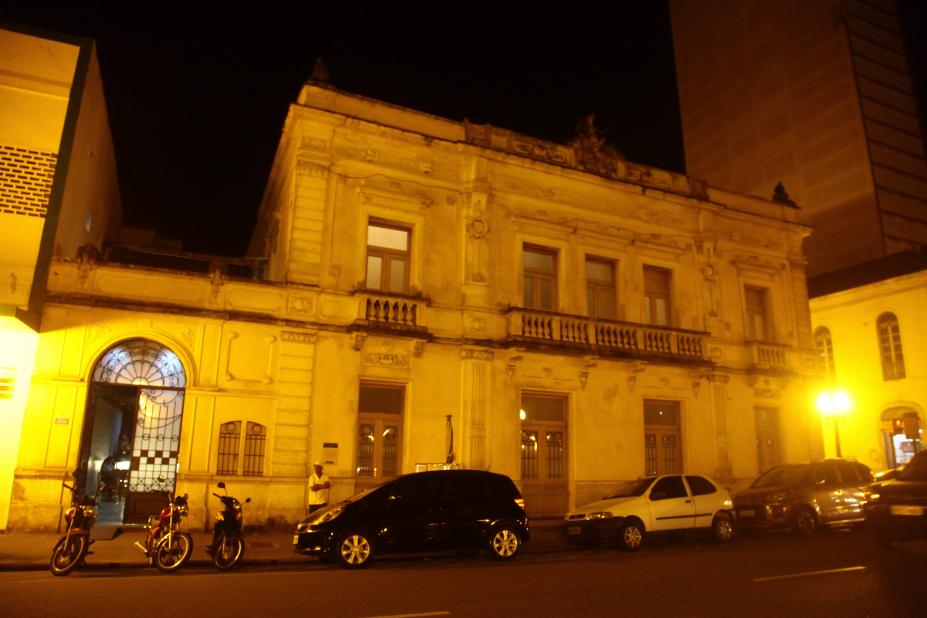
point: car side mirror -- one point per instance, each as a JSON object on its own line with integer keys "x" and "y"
{"x": 221, "y": 485}
{"x": 247, "y": 500}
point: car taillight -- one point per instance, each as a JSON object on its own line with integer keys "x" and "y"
{"x": 520, "y": 502}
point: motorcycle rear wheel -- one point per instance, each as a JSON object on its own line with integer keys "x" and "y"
{"x": 227, "y": 551}
{"x": 171, "y": 556}
{"x": 68, "y": 553}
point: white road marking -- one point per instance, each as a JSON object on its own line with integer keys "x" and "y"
{"x": 809, "y": 574}
{"x": 441, "y": 613}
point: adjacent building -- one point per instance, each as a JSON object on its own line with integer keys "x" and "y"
{"x": 817, "y": 96}
{"x": 58, "y": 194}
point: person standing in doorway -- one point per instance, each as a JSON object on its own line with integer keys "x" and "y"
{"x": 319, "y": 485}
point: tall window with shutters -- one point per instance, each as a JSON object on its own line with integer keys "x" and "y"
{"x": 824, "y": 345}
{"x": 657, "y": 296}
{"x": 387, "y": 257}
{"x": 890, "y": 347}
{"x": 600, "y": 288}
{"x": 539, "y": 278}
{"x": 757, "y": 316}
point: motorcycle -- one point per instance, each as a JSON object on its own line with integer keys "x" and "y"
{"x": 228, "y": 542}
{"x": 71, "y": 549}
{"x": 166, "y": 545}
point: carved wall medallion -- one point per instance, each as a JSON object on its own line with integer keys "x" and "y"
{"x": 301, "y": 304}
{"x": 478, "y": 228}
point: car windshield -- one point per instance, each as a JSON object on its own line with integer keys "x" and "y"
{"x": 630, "y": 489}
{"x": 780, "y": 476}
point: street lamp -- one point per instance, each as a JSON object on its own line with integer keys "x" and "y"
{"x": 834, "y": 403}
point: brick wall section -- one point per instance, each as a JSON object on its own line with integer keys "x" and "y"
{"x": 25, "y": 180}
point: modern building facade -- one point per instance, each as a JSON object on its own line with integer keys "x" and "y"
{"x": 58, "y": 193}
{"x": 815, "y": 95}
{"x": 818, "y": 96}
{"x": 426, "y": 292}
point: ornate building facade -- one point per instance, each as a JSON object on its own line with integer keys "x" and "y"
{"x": 429, "y": 293}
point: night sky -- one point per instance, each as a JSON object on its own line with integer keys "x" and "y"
{"x": 198, "y": 92}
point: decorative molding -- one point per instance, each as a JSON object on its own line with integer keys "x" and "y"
{"x": 583, "y": 378}
{"x": 510, "y": 365}
{"x": 379, "y": 359}
{"x": 418, "y": 347}
{"x": 189, "y": 337}
{"x": 476, "y": 354}
{"x": 296, "y": 337}
{"x": 310, "y": 168}
{"x": 359, "y": 339}
{"x": 406, "y": 164}
{"x": 316, "y": 144}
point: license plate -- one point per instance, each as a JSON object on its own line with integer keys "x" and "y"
{"x": 295, "y": 539}
{"x": 898, "y": 509}
{"x": 746, "y": 513}
{"x": 574, "y": 530}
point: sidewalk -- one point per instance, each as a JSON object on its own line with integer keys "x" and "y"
{"x": 31, "y": 551}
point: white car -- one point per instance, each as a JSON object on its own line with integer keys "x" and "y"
{"x": 672, "y": 502}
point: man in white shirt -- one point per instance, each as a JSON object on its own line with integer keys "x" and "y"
{"x": 319, "y": 484}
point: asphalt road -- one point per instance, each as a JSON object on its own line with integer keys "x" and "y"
{"x": 834, "y": 574}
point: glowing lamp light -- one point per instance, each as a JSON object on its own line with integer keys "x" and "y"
{"x": 834, "y": 403}
{"x": 522, "y": 415}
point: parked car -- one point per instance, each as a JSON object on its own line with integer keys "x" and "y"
{"x": 424, "y": 511}
{"x": 804, "y": 496}
{"x": 897, "y": 508}
{"x": 887, "y": 475}
{"x": 653, "y": 504}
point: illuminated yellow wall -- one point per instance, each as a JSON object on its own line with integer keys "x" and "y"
{"x": 851, "y": 317}
{"x": 17, "y": 349}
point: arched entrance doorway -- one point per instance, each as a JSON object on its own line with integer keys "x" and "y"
{"x": 131, "y": 433}
{"x": 902, "y": 435}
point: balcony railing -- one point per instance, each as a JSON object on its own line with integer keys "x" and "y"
{"x": 770, "y": 356}
{"x": 625, "y": 338}
{"x": 394, "y": 313}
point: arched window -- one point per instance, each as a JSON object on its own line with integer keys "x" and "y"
{"x": 825, "y": 348}
{"x": 890, "y": 347}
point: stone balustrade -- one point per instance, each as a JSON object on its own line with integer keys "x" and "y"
{"x": 381, "y": 311}
{"x": 604, "y": 336}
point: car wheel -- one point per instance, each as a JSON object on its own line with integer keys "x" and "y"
{"x": 354, "y": 550}
{"x": 631, "y": 535}
{"x": 806, "y": 522}
{"x": 504, "y": 544}
{"x": 722, "y": 528}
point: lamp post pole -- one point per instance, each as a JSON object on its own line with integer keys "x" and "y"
{"x": 834, "y": 404}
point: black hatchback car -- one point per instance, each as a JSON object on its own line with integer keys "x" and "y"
{"x": 897, "y": 508}
{"x": 424, "y": 511}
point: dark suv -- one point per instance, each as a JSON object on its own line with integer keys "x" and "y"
{"x": 425, "y": 511}
{"x": 897, "y": 508}
{"x": 803, "y": 496}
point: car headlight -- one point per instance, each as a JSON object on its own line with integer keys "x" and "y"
{"x": 325, "y": 517}
{"x": 872, "y": 497}
{"x": 599, "y": 515}
{"x": 776, "y": 497}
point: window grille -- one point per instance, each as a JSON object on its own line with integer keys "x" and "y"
{"x": 554, "y": 455}
{"x": 229, "y": 443}
{"x": 255, "y": 439}
{"x": 529, "y": 454}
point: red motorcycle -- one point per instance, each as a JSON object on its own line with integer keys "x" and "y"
{"x": 73, "y": 547}
{"x": 166, "y": 545}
